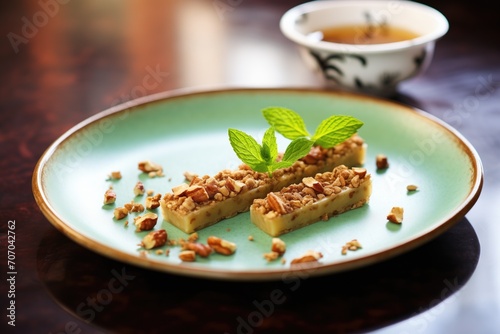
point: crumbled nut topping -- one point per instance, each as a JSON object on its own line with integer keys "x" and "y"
{"x": 205, "y": 190}
{"x": 381, "y": 161}
{"x": 310, "y": 190}
{"x": 153, "y": 202}
{"x": 189, "y": 176}
{"x": 396, "y": 215}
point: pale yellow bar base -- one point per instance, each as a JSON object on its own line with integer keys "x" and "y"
{"x": 346, "y": 200}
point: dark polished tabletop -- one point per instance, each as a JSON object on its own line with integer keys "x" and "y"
{"x": 62, "y": 61}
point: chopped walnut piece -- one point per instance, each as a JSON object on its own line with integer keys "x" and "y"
{"x": 309, "y": 256}
{"x": 139, "y": 189}
{"x": 151, "y": 168}
{"x": 154, "y": 239}
{"x": 197, "y": 194}
{"x": 134, "y": 207}
{"x": 381, "y": 161}
{"x": 199, "y": 248}
{"x": 153, "y": 202}
{"x": 311, "y": 182}
{"x": 187, "y": 256}
{"x": 221, "y": 246}
{"x": 109, "y": 196}
{"x": 396, "y": 215}
{"x": 411, "y": 187}
{"x": 189, "y": 176}
{"x": 278, "y": 246}
{"x": 115, "y": 175}
{"x": 351, "y": 245}
{"x": 271, "y": 256}
{"x": 120, "y": 213}
{"x": 193, "y": 237}
{"x": 145, "y": 222}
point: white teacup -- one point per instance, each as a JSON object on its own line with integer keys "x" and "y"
{"x": 370, "y": 68}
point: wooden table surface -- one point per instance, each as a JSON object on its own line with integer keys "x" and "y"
{"x": 62, "y": 61}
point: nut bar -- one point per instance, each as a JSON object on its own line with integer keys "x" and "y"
{"x": 209, "y": 199}
{"x": 314, "y": 199}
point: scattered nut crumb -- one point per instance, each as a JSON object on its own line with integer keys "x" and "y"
{"x": 120, "y": 213}
{"x": 309, "y": 256}
{"x": 139, "y": 189}
{"x": 250, "y": 237}
{"x": 115, "y": 175}
{"x": 151, "y": 168}
{"x": 396, "y": 215}
{"x": 228, "y": 229}
{"x": 352, "y": 245}
{"x": 221, "y": 246}
{"x": 411, "y": 187}
{"x": 134, "y": 207}
{"x": 153, "y": 202}
{"x": 278, "y": 246}
{"x": 126, "y": 223}
{"x": 145, "y": 222}
{"x": 271, "y": 256}
{"x": 187, "y": 256}
{"x": 109, "y": 196}
{"x": 167, "y": 252}
{"x": 159, "y": 251}
{"x": 199, "y": 248}
{"x": 150, "y": 192}
{"x": 154, "y": 239}
{"x": 193, "y": 237}
{"x": 381, "y": 161}
{"x": 283, "y": 260}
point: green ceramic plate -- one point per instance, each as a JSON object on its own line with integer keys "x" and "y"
{"x": 188, "y": 132}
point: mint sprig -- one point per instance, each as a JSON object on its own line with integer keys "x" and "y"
{"x": 330, "y": 132}
{"x": 263, "y": 158}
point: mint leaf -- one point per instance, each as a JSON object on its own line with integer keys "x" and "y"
{"x": 297, "y": 149}
{"x": 287, "y": 122}
{"x": 247, "y": 149}
{"x": 269, "y": 150}
{"x": 335, "y": 129}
